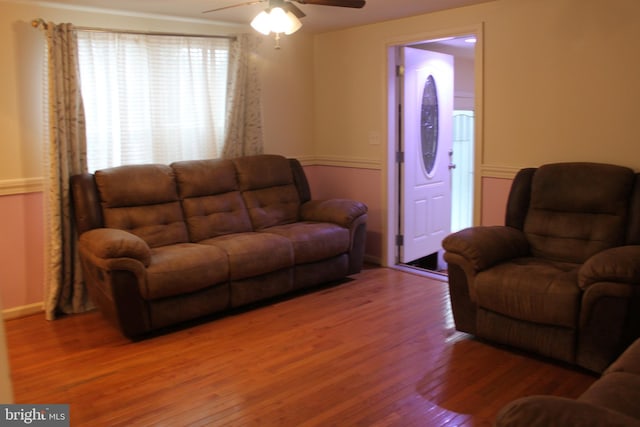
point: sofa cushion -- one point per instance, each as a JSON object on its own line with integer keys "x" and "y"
{"x": 577, "y": 210}
{"x": 313, "y": 241}
{"x": 253, "y": 254}
{"x": 184, "y": 268}
{"x": 268, "y": 189}
{"x": 629, "y": 360}
{"x": 531, "y": 289}
{"x": 617, "y": 391}
{"x": 143, "y": 200}
{"x": 547, "y": 340}
{"x": 212, "y": 216}
{"x": 555, "y": 411}
{"x": 211, "y": 202}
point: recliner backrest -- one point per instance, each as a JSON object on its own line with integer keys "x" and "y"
{"x": 576, "y": 209}
{"x": 211, "y": 199}
{"x": 269, "y": 190}
{"x": 143, "y": 200}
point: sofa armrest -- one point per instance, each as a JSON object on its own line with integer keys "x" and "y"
{"x": 618, "y": 265}
{"x": 609, "y": 314}
{"x": 114, "y": 267}
{"x": 346, "y": 213}
{"x": 338, "y": 211}
{"x": 110, "y": 243}
{"x": 485, "y": 246}
{"x": 552, "y": 411}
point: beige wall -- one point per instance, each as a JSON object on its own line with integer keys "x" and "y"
{"x": 572, "y": 93}
{"x": 560, "y": 81}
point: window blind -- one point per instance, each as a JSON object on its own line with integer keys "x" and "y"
{"x": 152, "y": 99}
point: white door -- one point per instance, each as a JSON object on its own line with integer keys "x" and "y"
{"x": 427, "y": 114}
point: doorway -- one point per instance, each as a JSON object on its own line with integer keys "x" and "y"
{"x": 409, "y": 217}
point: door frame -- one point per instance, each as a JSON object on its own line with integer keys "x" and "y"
{"x": 391, "y": 186}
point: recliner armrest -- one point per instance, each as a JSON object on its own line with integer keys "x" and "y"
{"x": 485, "y": 246}
{"x": 338, "y": 211}
{"x": 111, "y": 243}
{"x": 551, "y": 411}
{"x": 619, "y": 265}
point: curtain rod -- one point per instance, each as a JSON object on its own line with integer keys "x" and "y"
{"x": 39, "y": 22}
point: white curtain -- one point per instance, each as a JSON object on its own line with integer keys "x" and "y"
{"x": 153, "y": 99}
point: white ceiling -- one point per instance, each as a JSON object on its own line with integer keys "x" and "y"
{"x": 318, "y": 19}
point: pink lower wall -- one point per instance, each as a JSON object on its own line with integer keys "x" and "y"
{"x": 358, "y": 184}
{"x": 21, "y": 249}
{"x": 22, "y": 225}
{"x": 495, "y": 192}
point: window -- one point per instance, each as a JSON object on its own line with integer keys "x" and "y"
{"x": 152, "y": 99}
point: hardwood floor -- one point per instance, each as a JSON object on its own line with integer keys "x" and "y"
{"x": 379, "y": 350}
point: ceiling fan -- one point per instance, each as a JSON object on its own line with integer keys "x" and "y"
{"x": 289, "y": 6}
{"x": 283, "y": 16}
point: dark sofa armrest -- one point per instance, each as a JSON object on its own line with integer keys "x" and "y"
{"x": 553, "y": 411}
{"x": 110, "y": 243}
{"x": 485, "y": 246}
{"x": 618, "y": 265}
{"x": 114, "y": 269}
{"x": 338, "y": 211}
{"x": 610, "y": 313}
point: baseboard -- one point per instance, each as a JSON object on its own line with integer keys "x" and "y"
{"x": 370, "y": 259}
{"x": 22, "y": 311}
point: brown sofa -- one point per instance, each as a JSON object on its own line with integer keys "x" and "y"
{"x": 611, "y": 401}
{"x": 163, "y": 244}
{"x": 562, "y": 277}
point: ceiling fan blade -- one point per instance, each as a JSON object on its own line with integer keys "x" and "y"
{"x": 340, "y": 3}
{"x": 234, "y": 5}
{"x": 294, "y": 9}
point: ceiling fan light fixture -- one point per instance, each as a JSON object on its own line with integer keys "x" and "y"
{"x": 276, "y": 20}
{"x": 262, "y": 23}
{"x": 293, "y": 25}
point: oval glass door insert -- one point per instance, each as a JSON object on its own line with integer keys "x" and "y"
{"x": 429, "y": 125}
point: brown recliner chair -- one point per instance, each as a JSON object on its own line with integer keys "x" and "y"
{"x": 562, "y": 277}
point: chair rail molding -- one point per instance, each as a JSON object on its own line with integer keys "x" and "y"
{"x": 345, "y": 162}
{"x": 21, "y": 186}
{"x": 498, "y": 171}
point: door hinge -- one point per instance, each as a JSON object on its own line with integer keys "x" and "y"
{"x": 400, "y": 157}
{"x": 399, "y": 240}
{"x": 399, "y": 70}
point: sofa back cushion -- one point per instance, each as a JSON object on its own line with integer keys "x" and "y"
{"x": 211, "y": 200}
{"x": 143, "y": 200}
{"x": 578, "y": 209}
{"x": 268, "y": 189}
